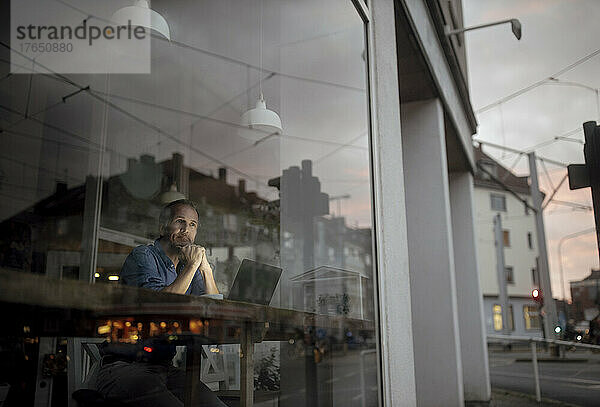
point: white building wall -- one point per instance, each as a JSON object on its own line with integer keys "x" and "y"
{"x": 518, "y": 255}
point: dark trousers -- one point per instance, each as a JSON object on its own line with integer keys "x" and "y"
{"x": 144, "y": 384}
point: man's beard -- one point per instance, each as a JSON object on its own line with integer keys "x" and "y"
{"x": 180, "y": 241}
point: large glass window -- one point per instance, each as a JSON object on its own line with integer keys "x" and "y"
{"x": 89, "y": 161}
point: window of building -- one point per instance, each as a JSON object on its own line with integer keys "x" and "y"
{"x": 506, "y": 238}
{"x": 529, "y": 240}
{"x": 498, "y": 202}
{"x": 91, "y": 171}
{"x": 497, "y": 317}
{"x": 534, "y": 277}
{"x": 510, "y": 275}
{"x": 531, "y": 314}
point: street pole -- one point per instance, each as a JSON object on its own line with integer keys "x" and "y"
{"x": 501, "y": 272}
{"x": 544, "y": 271}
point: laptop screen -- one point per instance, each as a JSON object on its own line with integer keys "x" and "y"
{"x": 254, "y": 282}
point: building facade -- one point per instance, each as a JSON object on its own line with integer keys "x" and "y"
{"x": 362, "y": 194}
{"x": 520, "y": 248}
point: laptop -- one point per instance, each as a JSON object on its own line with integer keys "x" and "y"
{"x": 254, "y": 282}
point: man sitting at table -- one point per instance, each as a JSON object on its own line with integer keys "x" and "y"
{"x": 172, "y": 264}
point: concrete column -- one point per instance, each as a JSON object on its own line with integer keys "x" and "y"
{"x": 471, "y": 321}
{"x": 438, "y": 370}
{"x": 393, "y": 280}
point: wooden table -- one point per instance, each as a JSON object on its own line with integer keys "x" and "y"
{"x": 90, "y": 304}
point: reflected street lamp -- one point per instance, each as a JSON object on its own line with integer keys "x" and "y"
{"x": 556, "y": 81}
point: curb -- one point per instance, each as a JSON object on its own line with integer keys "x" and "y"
{"x": 530, "y": 397}
{"x": 559, "y": 360}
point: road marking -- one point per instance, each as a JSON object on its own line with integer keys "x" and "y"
{"x": 582, "y": 370}
{"x": 350, "y": 374}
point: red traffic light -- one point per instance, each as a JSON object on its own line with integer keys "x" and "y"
{"x": 537, "y": 296}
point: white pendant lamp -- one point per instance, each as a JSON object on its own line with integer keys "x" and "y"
{"x": 260, "y": 118}
{"x": 171, "y": 195}
{"x": 142, "y": 15}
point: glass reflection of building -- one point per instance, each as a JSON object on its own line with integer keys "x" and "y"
{"x": 235, "y": 224}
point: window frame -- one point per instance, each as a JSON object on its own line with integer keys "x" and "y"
{"x": 509, "y": 271}
{"x": 495, "y": 314}
{"x": 494, "y": 196}
{"x": 527, "y": 318}
{"x": 506, "y": 237}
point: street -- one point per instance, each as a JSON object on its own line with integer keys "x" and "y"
{"x": 338, "y": 378}
{"x": 576, "y": 382}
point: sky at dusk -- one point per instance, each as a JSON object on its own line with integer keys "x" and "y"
{"x": 556, "y": 34}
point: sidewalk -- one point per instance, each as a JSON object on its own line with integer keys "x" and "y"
{"x": 505, "y": 398}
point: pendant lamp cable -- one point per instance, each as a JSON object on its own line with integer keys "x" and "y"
{"x": 260, "y": 51}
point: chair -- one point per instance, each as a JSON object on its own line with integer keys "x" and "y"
{"x": 84, "y": 361}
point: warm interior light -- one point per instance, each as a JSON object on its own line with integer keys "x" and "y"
{"x": 113, "y": 278}
{"x": 97, "y": 275}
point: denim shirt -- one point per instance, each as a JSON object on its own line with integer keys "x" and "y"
{"x": 148, "y": 266}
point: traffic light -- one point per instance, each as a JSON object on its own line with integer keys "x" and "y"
{"x": 588, "y": 174}
{"x": 537, "y": 296}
